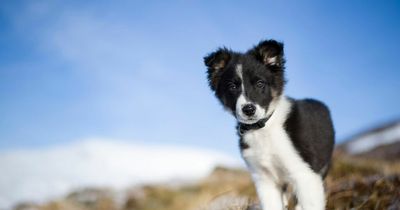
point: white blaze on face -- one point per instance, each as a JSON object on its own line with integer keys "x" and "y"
{"x": 243, "y": 100}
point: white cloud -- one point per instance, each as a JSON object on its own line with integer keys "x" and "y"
{"x": 41, "y": 174}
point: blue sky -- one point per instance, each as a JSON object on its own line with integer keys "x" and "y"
{"x": 133, "y": 69}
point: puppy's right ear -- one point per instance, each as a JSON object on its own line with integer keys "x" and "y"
{"x": 216, "y": 63}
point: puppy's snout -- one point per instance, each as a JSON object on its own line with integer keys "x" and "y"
{"x": 249, "y": 109}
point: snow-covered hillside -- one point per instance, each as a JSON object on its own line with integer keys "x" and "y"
{"x": 42, "y": 174}
{"x": 369, "y": 140}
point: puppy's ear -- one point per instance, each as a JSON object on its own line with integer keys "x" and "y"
{"x": 270, "y": 53}
{"x": 216, "y": 63}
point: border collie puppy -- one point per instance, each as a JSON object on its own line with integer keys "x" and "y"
{"x": 282, "y": 140}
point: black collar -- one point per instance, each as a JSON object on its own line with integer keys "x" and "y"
{"x": 243, "y": 128}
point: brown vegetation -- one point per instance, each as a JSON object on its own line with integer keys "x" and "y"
{"x": 353, "y": 183}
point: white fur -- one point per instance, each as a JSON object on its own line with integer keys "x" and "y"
{"x": 272, "y": 60}
{"x": 273, "y": 161}
{"x": 239, "y": 72}
{"x": 242, "y": 101}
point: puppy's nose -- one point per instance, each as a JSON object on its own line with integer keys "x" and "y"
{"x": 249, "y": 110}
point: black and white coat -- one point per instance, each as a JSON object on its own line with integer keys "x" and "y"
{"x": 283, "y": 141}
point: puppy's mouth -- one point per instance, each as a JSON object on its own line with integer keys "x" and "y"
{"x": 247, "y": 120}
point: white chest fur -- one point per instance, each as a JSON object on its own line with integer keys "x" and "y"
{"x": 265, "y": 154}
{"x": 273, "y": 161}
{"x": 270, "y": 149}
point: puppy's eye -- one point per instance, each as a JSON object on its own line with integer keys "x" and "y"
{"x": 260, "y": 84}
{"x": 231, "y": 86}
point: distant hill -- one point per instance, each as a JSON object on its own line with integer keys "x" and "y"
{"x": 42, "y": 174}
{"x": 381, "y": 142}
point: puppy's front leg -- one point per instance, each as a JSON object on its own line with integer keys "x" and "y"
{"x": 310, "y": 190}
{"x": 268, "y": 191}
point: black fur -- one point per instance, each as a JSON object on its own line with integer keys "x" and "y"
{"x": 310, "y": 128}
{"x": 309, "y": 124}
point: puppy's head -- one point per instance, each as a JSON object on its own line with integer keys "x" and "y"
{"x": 248, "y": 84}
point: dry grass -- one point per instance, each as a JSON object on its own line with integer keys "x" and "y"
{"x": 353, "y": 183}
{"x": 221, "y": 183}
{"x": 356, "y": 183}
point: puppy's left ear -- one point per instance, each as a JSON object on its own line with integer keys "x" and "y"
{"x": 270, "y": 53}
